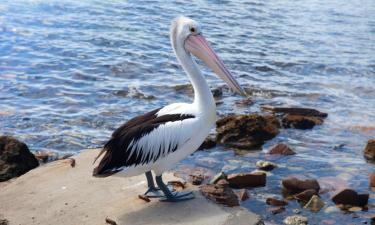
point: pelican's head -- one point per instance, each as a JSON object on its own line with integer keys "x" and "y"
{"x": 186, "y": 36}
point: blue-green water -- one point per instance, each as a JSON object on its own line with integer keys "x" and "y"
{"x": 70, "y": 72}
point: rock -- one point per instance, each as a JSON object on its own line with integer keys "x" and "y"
{"x": 295, "y": 111}
{"x": 371, "y": 179}
{"x": 246, "y": 131}
{"x": 276, "y": 202}
{"x": 243, "y": 195}
{"x": 315, "y": 204}
{"x": 144, "y": 198}
{"x": 355, "y": 209}
{"x": 296, "y": 220}
{"x": 208, "y": 143}
{"x": 281, "y": 149}
{"x": 223, "y": 182}
{"x": 217, "y": 92}
{"x": 197, "y": 179}
{"x": 220, "y": 194}
{"x": 218, "y": 177}
{"x": 300, "y": 122}
{"x": 369, "y": 151}
{"x": 246, "y": 180}
{"x": 296, "y": 186}
{"x": 276, "y": 210}
{"x": 306, "y": 195}
{"x": 350, "y": 197}
{"x": 244, "y": 102}
{"x": 110, "y": 221}
{"x": 15, "y": 158}
{"x": 265, "y": 165}
{"x": 4, "y": 222}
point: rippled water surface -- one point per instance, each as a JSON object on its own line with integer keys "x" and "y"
{"x": 72, "y": 71}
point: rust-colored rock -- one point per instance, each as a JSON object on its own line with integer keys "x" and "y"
{"x": 246, "y": 131}
{"x": 295, "y": 186}
{"x": 306, "y": 195}
{"x": 296, "y": 111}
{"x": 371, "y": 179}
{"x": 276, "y": 210}
{"x": 15, "y": 158}
{"x": 243, "y": 195}
{"x": 220, "y": 194}
{"x": 208, "y": 143}
{"x": 247, "y": 180}
{"x": 350, "y": 197}
{"x": 223, "y": 182}
{"x": 276, "y": 202}
{"x": 144, "y": 198}
{"x": 281, "y": 149}
{"x": 369, "y": 152}
{"x": 300, "y": 122}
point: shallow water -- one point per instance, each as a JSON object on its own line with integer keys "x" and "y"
{"x": 70, "y": 72}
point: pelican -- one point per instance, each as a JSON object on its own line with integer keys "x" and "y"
{"x": 159, "y": 139}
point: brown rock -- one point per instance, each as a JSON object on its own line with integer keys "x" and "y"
{"x": 306, "y": 195}
{"x": 208, "y": 143}
{"x": 295, "y": 186}
{"x": 350, "y": 197}
{"x": 371, "y": 179}
{"x": 369, "y": 152}
{"x": 110, "y": 221}
{"x": 295, "y": 111}
{"x": 144, "y": 198}
{"x": 220, "y": 194}
{"x": 15, "y": 158}
{"x": 223, "y": 182}
{"x": 276, "y": 202}
{"x": 300, "y": 122}
{"x": 245, "y": 180}
{"x": 197, "y": 179}
{"x": 246, "y": 131}
{"x": 276, "y": 210}
{"x": 281, "y": 149}
{"x": 243, "y": 195}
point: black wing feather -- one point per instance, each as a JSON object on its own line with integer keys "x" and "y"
{"x": 116, "y": 150}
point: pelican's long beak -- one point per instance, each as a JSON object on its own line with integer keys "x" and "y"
{"x": 198, "y": 46}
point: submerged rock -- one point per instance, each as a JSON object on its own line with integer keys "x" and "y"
{"x": 276, "y": 210}
{"x": 276, "y": 202}
{"x": 300, "y": 122}
{"x": 306, "y": 195}
{"x": 281, "y": 149}
{"x": 296, "y": 186}
{"x": 350, "y": 197}
{"x": 295, "y": 111}
{"x": 315, "y": 204}
{"x": 15, "y": 158}
{"x": 296, "y": 220}
{"x": 369, "y": 151}
{"x": 265, "y": 165}
{"x": 246, "y": 131}
{"x": 221, "y": 194}
{"x": 197, "y": 179}
{"x": 247, "y": 180}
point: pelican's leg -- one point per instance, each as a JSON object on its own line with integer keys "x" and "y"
{"x": 152, "y": 191}
{"x": 172, "y": 196}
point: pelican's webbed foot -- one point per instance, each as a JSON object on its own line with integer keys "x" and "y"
{"x": 152, "y": 191}
{"x": 172, "y": 196}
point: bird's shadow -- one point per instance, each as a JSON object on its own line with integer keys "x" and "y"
{"x": 171, "y": 212}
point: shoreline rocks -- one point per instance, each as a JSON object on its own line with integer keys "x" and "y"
{"x": 276, "y": 202}
{"x": 281, "y": 149}
{"x": 369, "y": 151}
{"x": 300, "y": 122}
{"x": 350, "y": 197}
{"x": 15, "y": 158}
{"x": 246, "y": 131}
{"x": 247, "y": 180}
{"x": 221, "y": 194}
{"x": 293, "y": 186}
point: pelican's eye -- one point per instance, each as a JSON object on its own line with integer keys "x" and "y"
{"x": 192, "y": 29}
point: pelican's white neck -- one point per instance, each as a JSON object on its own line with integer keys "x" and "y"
{"x": 202, "y": 94}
